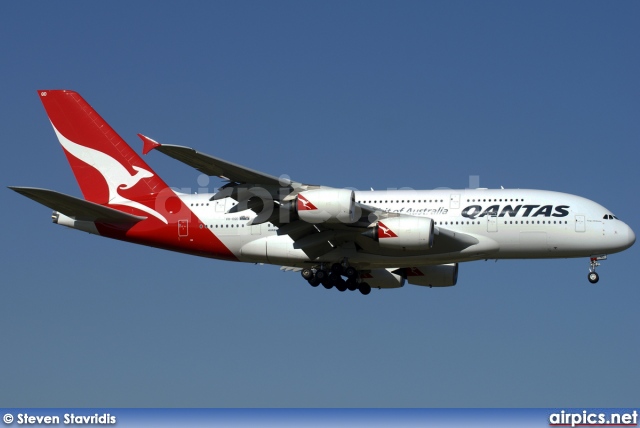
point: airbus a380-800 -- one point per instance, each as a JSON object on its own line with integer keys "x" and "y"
{"x": 355, "y": 240}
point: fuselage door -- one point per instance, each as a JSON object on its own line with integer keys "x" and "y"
{"x": 256, "y": 229}
{"x": 580, "y": 224}
{"x": 492, "y": 223}
{"x": 183, "y": 228}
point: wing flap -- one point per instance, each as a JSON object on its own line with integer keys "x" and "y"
{"x": 76, "y": 208}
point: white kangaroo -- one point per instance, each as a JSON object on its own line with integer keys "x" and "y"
{"x": 116, "y": 175}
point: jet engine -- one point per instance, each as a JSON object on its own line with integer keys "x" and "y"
{"x": 326, "y": 205}
{"x": 403, "y": 233}
{"x": 433, "y": 276}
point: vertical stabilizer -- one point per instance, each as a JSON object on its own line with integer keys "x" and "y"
{"x": 106, "y": 168}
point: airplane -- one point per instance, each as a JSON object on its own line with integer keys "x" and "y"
{"x": 342, "y": 238}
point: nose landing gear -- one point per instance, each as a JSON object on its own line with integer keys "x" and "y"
{"x": 593, "y": 264}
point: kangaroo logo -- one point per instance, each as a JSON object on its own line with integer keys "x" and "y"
{"x": 113, "y": 172}
{"x": 386, "y": 232}
{"x": 304, "y": 204}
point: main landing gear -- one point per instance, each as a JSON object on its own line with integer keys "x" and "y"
{"x": 593, "y": 264}
{"x": 333, "y": 277}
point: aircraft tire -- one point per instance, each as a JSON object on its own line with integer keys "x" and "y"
{"x": 341, "y": 285}
{"x": 307, "y": 273}
{"x": 593, "y": 277}
{"x": 351, "y": 272}
{"x": 321, "y": 275}
{"x": 364, "y": 288}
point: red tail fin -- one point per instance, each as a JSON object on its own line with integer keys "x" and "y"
{"x": 106, "y": 168}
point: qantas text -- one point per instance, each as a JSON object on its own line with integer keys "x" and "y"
{"x": 474, "y": 211}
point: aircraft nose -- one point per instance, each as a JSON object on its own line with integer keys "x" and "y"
{"x": 631, "y": 237}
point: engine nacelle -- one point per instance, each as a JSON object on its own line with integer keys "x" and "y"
{"x": 433, "y": 276}
{"x": 382, "y": 278}
{"x": 403, "y": 233}
{"x": 326, "y": 205}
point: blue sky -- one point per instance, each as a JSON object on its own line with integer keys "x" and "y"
{"x": 348, "y": 94}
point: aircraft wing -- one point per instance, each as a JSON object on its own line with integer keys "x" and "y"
{"x": 76, "y": 208}
{"x": 212, "y": 165}
{"x": 314, "y": 239}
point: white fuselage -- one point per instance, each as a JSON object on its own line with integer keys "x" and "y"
{"x": 508, "y": 223}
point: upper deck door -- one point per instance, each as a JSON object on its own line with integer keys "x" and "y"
{"x": 580, "y": 224}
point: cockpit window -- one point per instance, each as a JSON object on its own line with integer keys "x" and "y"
{"x": 609, "y": 217}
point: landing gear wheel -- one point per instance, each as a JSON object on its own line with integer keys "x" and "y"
{"x": 314, "y": 282}
{"x": 593, "y": 277}
{"x": 364, "y": 288}
{"x": 350, "y": 272}
{"x": 352, "y": 285}
{"x": 336, "y": 268}
{"x": 341, "y": 285}
{"x": 321, "y": 275}
{"x": 328, "y": 283}
{"x": 307, "y": 273}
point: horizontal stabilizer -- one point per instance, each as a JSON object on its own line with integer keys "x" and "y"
{"x": 76, "y": 208}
